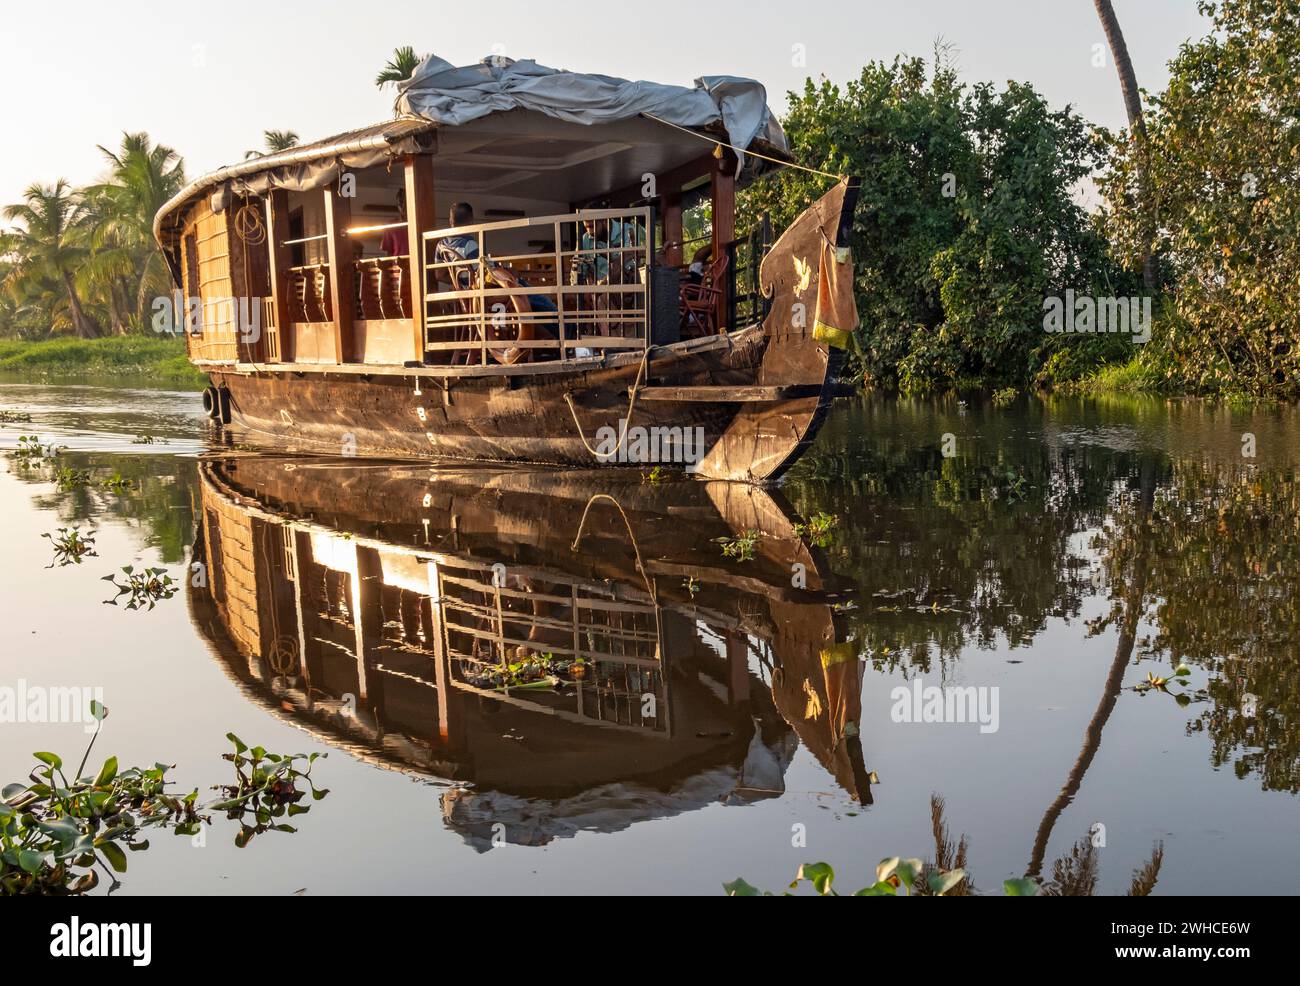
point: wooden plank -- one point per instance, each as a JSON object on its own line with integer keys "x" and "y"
{"x": 672, "y": 214}
{"x": 746, "y": 394}
{"x": 338, "y": 216}
{"x": 421, "y": 215}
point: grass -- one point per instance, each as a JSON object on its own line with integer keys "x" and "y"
{"x": 1118, "y": 378}
{"x": 158, "y": 360}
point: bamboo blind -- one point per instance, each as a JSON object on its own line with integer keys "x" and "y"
{"x": 218, "y": 330}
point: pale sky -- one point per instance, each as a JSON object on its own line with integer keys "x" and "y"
{"x": 208, "y": 78}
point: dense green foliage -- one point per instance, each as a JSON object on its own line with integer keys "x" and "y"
{"x": 84, "y": 261}
{"x": 966, "y": 222}
{"x": 1221, "y": 161}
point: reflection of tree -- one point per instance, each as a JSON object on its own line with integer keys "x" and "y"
{"x": 1224, "y": 557}
{"x": 956, "y": 551}
{"x": 157, "y": 503}
{"x": 1129, "y": 611}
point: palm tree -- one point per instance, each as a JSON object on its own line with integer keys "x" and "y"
{"x": 125, "y": 261}
{"x": 47, "y": 246}
{"x": 400, "y": 67}
{"x": 276, "y": 140}
{"x": 1132, "y": 104}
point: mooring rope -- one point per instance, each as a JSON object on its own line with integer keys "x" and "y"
{"x": 627, "y": 421}
{"x": 741, "y": 150}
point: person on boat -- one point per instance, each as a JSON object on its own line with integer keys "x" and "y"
{"x": 702, "y": 258}
{"x": 459, "y": 247}
{"x": 395, "y": 243}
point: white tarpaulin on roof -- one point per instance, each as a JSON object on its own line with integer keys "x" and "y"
{"x": 440, "y": 92}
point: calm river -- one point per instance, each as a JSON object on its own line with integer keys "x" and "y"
{"x": 732, "y": 682}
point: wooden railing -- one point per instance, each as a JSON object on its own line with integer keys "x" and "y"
{"x": 586, "y": 294}
{"x": 271, "y": 331}
{"x": 490, "y": 625}
{"x": 309, "y": 294}
{"x": 383, "y": 288}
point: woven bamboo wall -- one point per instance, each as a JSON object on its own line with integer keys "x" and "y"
{"x": 208, "y": 278}
{"x": 234, "y": 579}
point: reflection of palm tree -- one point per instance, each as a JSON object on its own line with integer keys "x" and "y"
{"x": 1114, "y": 680}
{"x": 1132, "y": 103}
{"x": 47, "y": 245}
{"x": 399, "y": 68}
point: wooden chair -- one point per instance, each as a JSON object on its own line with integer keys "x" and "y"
{"x": 699, "y": 302}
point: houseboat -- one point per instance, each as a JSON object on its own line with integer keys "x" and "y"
{"x": 505, "y": 271}
{"x": 569, "y": 649}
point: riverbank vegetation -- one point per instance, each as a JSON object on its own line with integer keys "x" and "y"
{"x": 970, "y": 225}
{"x": 969, "y": 222}
{"x": 159, "y": 360}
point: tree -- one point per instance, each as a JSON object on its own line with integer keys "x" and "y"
{"x": 1221, "y": 162}
{"x": 400, "y": 67}
{"x": 124, "y": 259}
{"x": 276, "y": 140}
{"x": 966, "y": 220}
{"x": 1132, "y": 103}
{"x": 46, "y": 247}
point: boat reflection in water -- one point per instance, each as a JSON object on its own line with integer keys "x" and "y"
{"x": 574, "y": 651}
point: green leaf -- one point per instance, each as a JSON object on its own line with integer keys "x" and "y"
{"x": 106, "y": 772}
{"x": 98, "y": 710}
{"x": 820, "y": 875}
{"x": 30, "y": 861}
{"x": 1020, "y": 888}
{"x": 116, "y": 858}
{"x": 739, "y": 888}
{"x": 882, "y": 889}
{"x": 941, "y": 883}
{"x": 239, "y": 744}
{"x": 52, "y": 759}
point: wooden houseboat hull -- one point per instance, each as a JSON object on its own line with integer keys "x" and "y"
{"x": 561, "y": 418}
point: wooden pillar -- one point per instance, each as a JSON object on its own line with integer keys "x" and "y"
{"x": 343, "y": 301}
{"x": 300, "y": 542}
{"x": 724, "y": 227}
{"x": 673, "y": 227}
{"x": 737, "y": 668}
{"x": 367, "y": 616}
{"x": 281, "y": 259}
{"x": 421, "y": 216}
{"x": 450, "y": 724}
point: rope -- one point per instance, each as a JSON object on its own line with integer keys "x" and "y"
{"x": 248, "y": 224}
{"x": 631, "y": 535}
{"x": 742, "y": 151}
{"x": 627, "y": 421}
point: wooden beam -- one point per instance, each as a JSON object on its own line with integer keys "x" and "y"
{"x": 421, "y": 216}
{"x": 367, "y": 616}
{"x": 724, "y": 227}
{"x": 737, "y": 668}
{"x": 338, "y": 216}
{"x": 672, "y": 213}
{"x": 748, "y": 394}
{"x": 281, "y": 258}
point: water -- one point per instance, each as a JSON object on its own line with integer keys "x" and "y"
{"x": 1060, "y": 555}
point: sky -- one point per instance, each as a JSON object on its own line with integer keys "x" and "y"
{"x": 208, "y": 78}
